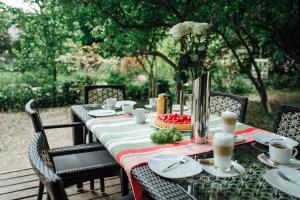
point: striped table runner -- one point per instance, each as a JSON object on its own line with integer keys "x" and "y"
{"x": 130, "y": 144}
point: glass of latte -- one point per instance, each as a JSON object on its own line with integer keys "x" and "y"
{"x": 229, "y": 120}
{"x": 223, "y": 145}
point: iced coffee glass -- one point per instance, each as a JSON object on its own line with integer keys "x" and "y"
{"x": 229, "y": 120}
{"x": 223, "y": 146}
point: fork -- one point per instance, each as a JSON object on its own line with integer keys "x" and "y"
{"x": 181, "y": 161}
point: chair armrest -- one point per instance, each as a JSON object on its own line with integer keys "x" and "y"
{"x": 73, "y": 124}
{"x": 76, "y": 149}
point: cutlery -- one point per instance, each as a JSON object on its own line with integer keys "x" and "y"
{"x": 286, "y": 178}
{"x": 235, "y": 169}
{"x": 181, "y": 161}
{"x": 269, "y": 161}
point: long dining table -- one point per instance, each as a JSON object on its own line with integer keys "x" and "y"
{"x": 130, "y": 144}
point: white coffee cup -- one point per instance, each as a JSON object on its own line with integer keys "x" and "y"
{"x": 127, "y": 108}
{"x": 281, "y": 152}
{"x": 229, "y": 121}
{"x": 153, "y": 102}
{"x": 140, "y": 115}
{"x": 110, "y": 103}
{"x": 223, "y": 146}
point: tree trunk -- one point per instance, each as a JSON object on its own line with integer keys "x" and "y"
{"x": 258, "y": 83}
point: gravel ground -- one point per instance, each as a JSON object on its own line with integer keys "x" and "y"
{"x": 15, "y": 134}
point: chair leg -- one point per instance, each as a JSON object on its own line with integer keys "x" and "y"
{"x": 92, "y": 187}
{"x": 40, "y": 191}
{"x": 102, "y": 185}
{"x": 124, "y": 183}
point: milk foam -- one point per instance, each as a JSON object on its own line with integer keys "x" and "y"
{"x": 229, "y": 114}
{"x": 223, "y": 139}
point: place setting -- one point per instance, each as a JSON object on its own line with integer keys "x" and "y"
{"x": 285, "y": 175}
{"x": 221, "y": 165}
{"x": 110, "y": 107}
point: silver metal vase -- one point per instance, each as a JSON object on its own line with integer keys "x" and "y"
{"x": 200, "y": 108}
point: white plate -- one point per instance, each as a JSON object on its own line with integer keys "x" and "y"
{"x": 276, "y": 181}
{"x": 151, "y": 123}
{"x": 190, "y": 168}
{"x": 120, "y": 103}
{"x": 150, "y": 107}
{"x": 113, "y": 108}
{"x": 102, "y": 113}
{"x": 294, "y": 163}
{"x": 176, "y": 107}
{"x": 291, "y": 173}
{"x": 215, "y": 172}
{"x": 267, "y": 138}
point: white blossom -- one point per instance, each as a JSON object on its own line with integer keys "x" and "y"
{"x": 178, "y": 31}
{"x": 200, "y": 28}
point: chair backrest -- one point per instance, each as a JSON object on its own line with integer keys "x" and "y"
{"x": 99, "y": 93}
{"x": 220, "y": 102}
{"x": 287, "y": 122}
{"x": 38, "y": 155}
{"x": 32, "y": 110}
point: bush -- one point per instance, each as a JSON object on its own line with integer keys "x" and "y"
{"x": 230, "y": 82}
{"x": 14, "y": 95}
{"x": 135, "y": 90}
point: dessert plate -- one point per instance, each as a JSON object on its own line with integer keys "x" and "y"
{"x": 189, "y": 168}
{"x": 102, "y": 113}
{"x": 275, "y": 180}
{"x": 152, "y": 123}
{"x": 267, "y": 138}
{"x": 290, "y": 173}
{"x": 236, "y": 169}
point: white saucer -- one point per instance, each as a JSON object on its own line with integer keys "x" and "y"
{"x": 102, "y": 113}
{"x": 113, "y": 108}
{"x": 176, "y": 107}
{"x": 294, "y": 163}
{"x": 267, "y": 138}
{"x": 190, "y": 168}
{"x": 120, "y": 103}
{"x": 151, "y": 123}
{"x": 276, "y": 181}
{"x": 215, "y": 172}
{"x": 150, "y": 107}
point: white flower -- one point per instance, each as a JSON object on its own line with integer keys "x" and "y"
{"x": 178, "y": 31}
{"x": 200, "y": 28}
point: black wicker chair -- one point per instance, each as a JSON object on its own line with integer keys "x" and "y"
{"x": 220, "y": 102}
{"x": 79, "y": 163}
{"x": 42, "y": 164}
{"x": 38, "y": 154}
{"x": 96, "y": 94}
{"x": 287, "y": 122}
